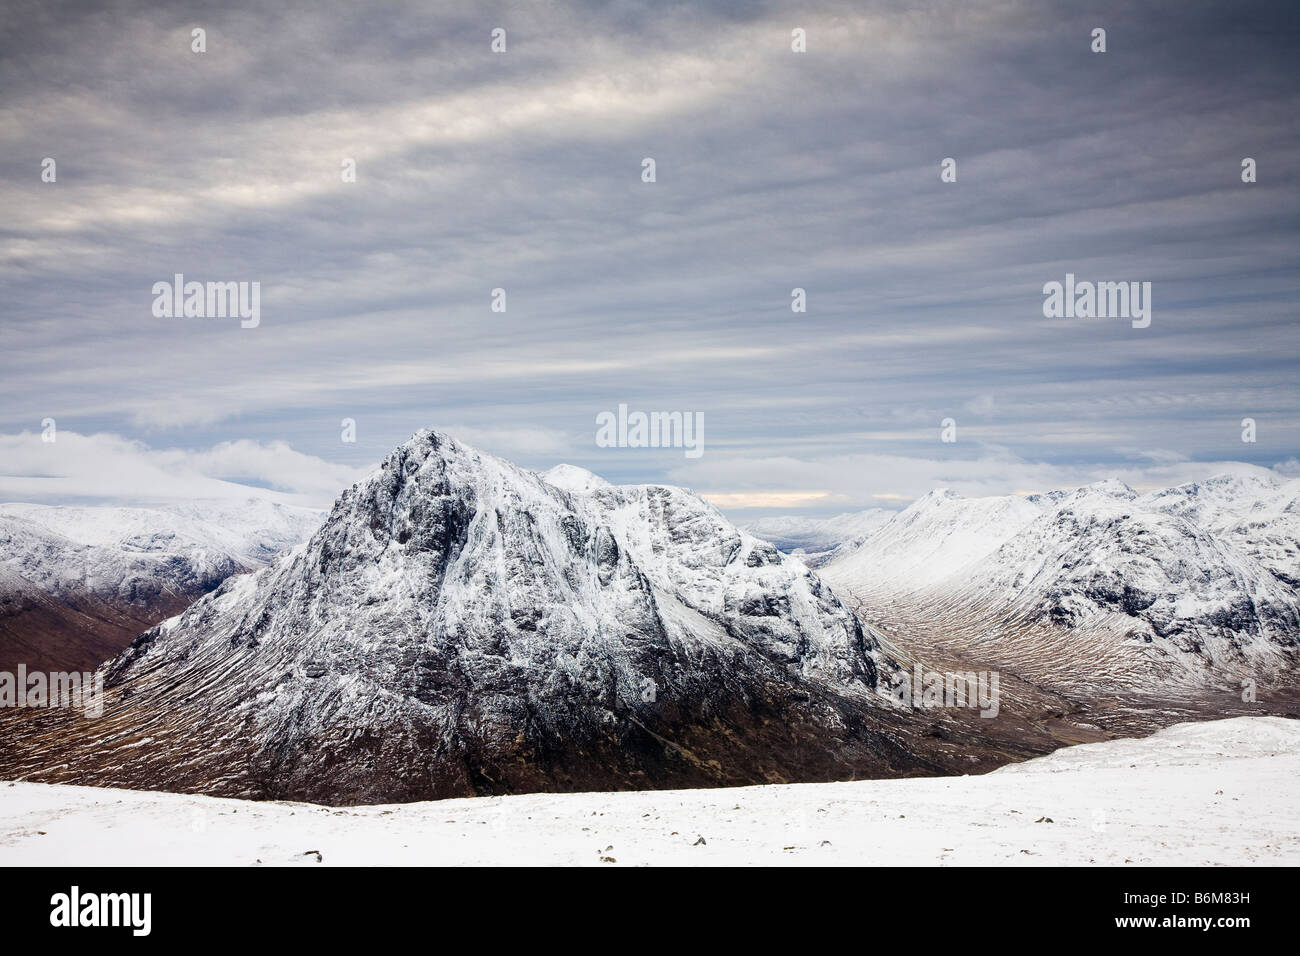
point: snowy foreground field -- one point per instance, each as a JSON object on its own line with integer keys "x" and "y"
{"x": 1221, "y": 792}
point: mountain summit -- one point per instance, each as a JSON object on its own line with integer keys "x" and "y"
{"x": 460, "y": 625}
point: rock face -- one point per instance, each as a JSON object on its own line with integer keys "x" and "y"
{"x": 459, "y": 625}
{"x": 77, "y": 584}
{"x": 1193, "y": 584}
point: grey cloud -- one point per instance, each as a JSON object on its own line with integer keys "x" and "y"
{"x": 774, "y": 171}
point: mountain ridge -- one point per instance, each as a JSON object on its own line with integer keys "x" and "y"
{"x": 1178, "y": 578}
{"x": 81, "y": 582}
{"x": 460, "y": 625}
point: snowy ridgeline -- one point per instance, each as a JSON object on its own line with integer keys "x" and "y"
{"x": 1220, "y": 792}
{"x": 1201, "y": 580}
{"x": 77, "y": 584}
{"x": 501, "y": 630}
{"x": 1248, "y": 524}
{"x": 129, "y": 554}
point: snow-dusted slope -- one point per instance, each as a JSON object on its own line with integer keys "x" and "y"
{"x": 246, "y": 528}
{"x": 932, "y": 538}
{"x": 1259, "y": 515}
{"x": 573, "y": 478}
{"x": 815, "y": 535}
{"x": 461, "y": 625}
{"x": 110, "y": 551}
{"x": 1220, "y": 793}
{"x": 1100, "y": 583}
{"x": 81, "y": 582}
{"x": 1190, "y": 600}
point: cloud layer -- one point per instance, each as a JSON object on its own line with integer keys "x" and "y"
{"x": 111, "y": 469}
{"x": 775, "y": 170}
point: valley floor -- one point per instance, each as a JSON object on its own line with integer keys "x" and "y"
{"x": 1218, "y": 792}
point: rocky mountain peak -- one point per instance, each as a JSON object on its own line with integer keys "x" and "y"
{"x": 480, "y": 628}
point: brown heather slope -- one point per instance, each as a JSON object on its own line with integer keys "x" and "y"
{"x": 48, "y": 634}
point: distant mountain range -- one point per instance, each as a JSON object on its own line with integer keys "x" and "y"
{"x": 78, "y": 584}
{"x": 796, "y": 534}
{"x": 1196, "y": 582}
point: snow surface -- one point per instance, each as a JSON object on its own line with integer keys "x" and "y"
{"x": 1221, "y": 792}
{"x": 573, "y": 478}
{"x": 935, "y": 537}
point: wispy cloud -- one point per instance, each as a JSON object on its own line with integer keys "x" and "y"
{"x": 775, "y": 170}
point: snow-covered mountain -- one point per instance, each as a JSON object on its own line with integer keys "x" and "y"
{"x": 77, "y": 584}
{"x": 1257, "y": 515}
{"x": 459, "y": 625}
{"x": 929, "y": 540}
{"x": 1191, "y": 583}
{"x": 797, "y": 533}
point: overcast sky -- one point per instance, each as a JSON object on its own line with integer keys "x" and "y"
{"x": 522, "y": 170}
